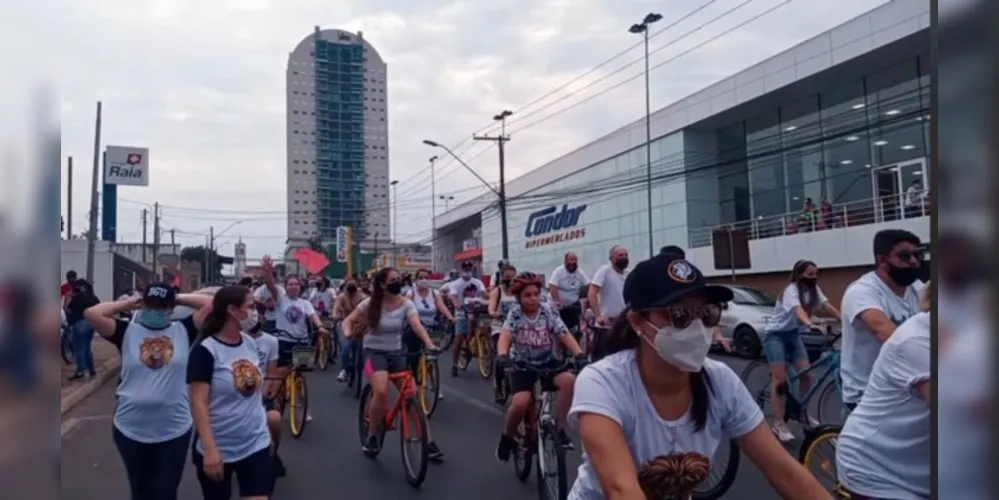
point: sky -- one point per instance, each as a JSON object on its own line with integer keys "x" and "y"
{"x": 202, "y": 85}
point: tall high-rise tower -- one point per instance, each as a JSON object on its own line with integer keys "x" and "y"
{"x": 337, "y": 126}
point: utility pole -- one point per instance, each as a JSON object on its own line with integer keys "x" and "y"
{"x": 500, "y": 141}
{"x": 156, "y": 240}
{"x": 145, "y": 217}
{"x": 69, "y": 198}
{"x": 210, "y": 253}
{"x": 395, "y": 220}
{"x": 433, "y": 217}
{"x": 92, "y": 233}
{"x": 173, "y": 239}
{"x": 446, "y": 199}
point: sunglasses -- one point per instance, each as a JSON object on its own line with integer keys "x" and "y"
{"x": 681, "y": 317}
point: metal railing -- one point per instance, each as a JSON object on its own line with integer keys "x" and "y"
{"x": 906, "y": 205}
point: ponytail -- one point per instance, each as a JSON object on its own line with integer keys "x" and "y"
{"x": 622, "y": 337}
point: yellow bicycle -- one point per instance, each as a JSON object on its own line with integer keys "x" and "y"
{"x": 429, "y": 379}
{"x": 327, "y": 346}
{"x": 294, "y": 393}
{"x": 821, "y": 463}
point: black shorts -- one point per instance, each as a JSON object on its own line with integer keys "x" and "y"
{"x": 385, "y": 361}
{"x": 255, "y": 475}
{"x": 523, "y": 380}
{"x": 570, "y": 316}
{"x": 285, "y": 349}
{"x": 269, "y": 404}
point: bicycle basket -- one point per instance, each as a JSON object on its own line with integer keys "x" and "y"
{"x": 303, "y": 356}
{"x": 483, "y": 322}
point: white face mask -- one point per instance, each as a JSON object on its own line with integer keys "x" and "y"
{"x": 685, "y": 348}
{"x": 250, "y": 321}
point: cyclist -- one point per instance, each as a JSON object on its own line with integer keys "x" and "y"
{"x": 530, "y": 333}
{"x": 386, "y": 313}
{"x": 605, "y": 293}
{"x": 657, "y": 396}
{"x": 782, "y": 337}
{"x": 152, "y": 422}
{"x": 323, "y": 298}
{"x": 263, "y": 295}
{"x": 430, "y": 306}
{"x": 875, "y": 304}
{"x": 567, "y": 285}
{"x": 501, "y": 301}
{"x": 345, "y": 304}
{"x": 462, "y": 291}
{"x": 232, "y": 436}
{"x": 267, "y": 349}
{"x": 294, "y": 315}
{"x": 883, "y": 450}
{"x": 498, "y": 275}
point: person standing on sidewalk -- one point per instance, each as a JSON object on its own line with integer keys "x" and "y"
{"x": 82, "y": 298}
{"x": 606, "y": 293}
{"x": 152, "y": 421}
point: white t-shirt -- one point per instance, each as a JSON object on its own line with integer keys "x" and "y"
{"x": 613, "y": 388}
{"x": 860, "y": 346}
{"x": 884, "y": 447}
{"x": 568, "y": 284}
{"x": 460, "y": 288}
{"x": 267, "y": 348}
{"x": 262, "y": 294}
{"x": 323, "y": 300}
{"x": 292, "y": 321}
{"x": 611, "y": 285}
{"x": 784, "y": 319}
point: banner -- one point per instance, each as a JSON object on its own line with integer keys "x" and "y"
{"x": 126, "y": 166}
{"x": 342, "y": 243}
{"x": 313, "y": 261}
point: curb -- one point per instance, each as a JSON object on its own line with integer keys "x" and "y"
{"x": 108, "y": 371}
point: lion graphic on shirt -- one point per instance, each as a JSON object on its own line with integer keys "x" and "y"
{"x": 246, "y": 376}
{"x": 156, "y": 352}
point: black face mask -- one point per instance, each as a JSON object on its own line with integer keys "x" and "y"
{"x": 621, "y": 264}
{"x": 810, "y": 282}
{"x": 395, "y": 288}
{"x": 351, "y": 288}
{"x": 903, "y": 276}
{"x": 571, "y": 267}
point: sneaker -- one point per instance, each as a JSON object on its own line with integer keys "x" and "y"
{"x": 342, "y": 376}
{"x": 812, "y": 422}
{"x": 308, "y": 418}
{"x": 564, "y": 440}
{"x": 782, "y": 432}
{"x": 505, "y": 448}
{"x": 76, "y": 376}
{"x": 440, "y": 394}
{"x": 279, "y": 469}
{"x": 370, "y": 447}
{"x": 434, "y": 453}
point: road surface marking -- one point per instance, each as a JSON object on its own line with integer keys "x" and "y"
{"x": 472, "y": 401}
{"x": 73, "y": 421}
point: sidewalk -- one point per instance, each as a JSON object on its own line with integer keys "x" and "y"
{"x": 106, "y": 359}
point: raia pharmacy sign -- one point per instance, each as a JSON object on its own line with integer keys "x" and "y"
{"x": 127, "y": 166}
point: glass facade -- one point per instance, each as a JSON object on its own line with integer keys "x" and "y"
{"x": 339, "y": 136}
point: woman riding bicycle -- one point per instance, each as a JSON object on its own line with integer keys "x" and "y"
{"x": 430, "y": 306}
{"x": 530, "y": 334}
{"x": 782, "y": 337}
{"x": 652, "y": 412}
{"x": 386, "y": 315}
{"x": 501, "y": 302}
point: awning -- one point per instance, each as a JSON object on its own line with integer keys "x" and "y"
{"x": 470, "y": 254}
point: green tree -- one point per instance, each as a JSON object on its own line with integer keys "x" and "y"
{"x": 199, "y": 254}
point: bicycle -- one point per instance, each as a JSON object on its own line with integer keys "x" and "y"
{"x": 539, "y": 431}
{"x": 429, "y": 380}
{"x": 327, "y": 346}
{"x": 414, "y": 424}
{"x": 479, "y": 345}
{"x": 293, "y": 392}
{"x": 795, "y": 408}
{"x": 809, "y": 453}
{"x": 66, "y": 344}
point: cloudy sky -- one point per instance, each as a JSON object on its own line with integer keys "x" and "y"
{"x": 202, "y": 84}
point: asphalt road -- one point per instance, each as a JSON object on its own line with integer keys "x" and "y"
{"x": 327, "y": 459}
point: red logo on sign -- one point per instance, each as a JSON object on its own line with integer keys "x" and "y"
{"x": 134, "y": 159}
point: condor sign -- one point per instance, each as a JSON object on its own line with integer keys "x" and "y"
{"x": 552, "y": 225}
{"x": 126, "y": 166}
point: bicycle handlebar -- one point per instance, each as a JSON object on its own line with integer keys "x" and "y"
{"x": 522, "y": 365}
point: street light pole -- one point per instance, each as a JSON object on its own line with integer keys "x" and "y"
{"x": 395, "y": 220}
{"x": 433, "y": 216}
{"x": 500, "y": 141}
{"x": 446, "y": 199}
{"x": 643, "y": 28}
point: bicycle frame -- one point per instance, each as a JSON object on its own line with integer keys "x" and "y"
{"x": 830, "y": 362}
{"x": 407, "y": 389}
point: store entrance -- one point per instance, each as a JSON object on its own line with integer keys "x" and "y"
{"x": 897, "y": 195}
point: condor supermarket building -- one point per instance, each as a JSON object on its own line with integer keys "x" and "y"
{"x": 841, "y": 120}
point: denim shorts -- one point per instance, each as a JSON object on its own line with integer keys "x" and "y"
{"x": 784, "y": 346}
{"x": 461, "y": 324}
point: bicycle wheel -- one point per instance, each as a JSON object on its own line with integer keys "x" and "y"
{"x": 552, "y": 481}
{"x": 362, "y": 418}
{"x": 829, "y": 409}
{"x": 414, "y": 443}
{"x": 322, "y": 353}
{"x": 725, "y": 469}
{"x": 430, "y": 386}
{"x": 447, "y": 337}
{"x": 358, "y": 372}
{"x": 523, "y": 454}
{"x": 66, "y": 348}
{"x": 756, "y": 377}
{"x": 823, "y": 467}
{"x": 486, "y": 357}
{"x": 334, "y": 347}
{"x": 299, "y": 405}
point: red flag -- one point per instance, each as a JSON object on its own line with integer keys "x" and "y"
{"x": 176, "y": 281}
{"x": 313, "y": 261}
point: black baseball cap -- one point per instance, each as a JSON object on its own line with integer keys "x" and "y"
{"x": 665, "y": 278}
{"x": 159, "y": 295}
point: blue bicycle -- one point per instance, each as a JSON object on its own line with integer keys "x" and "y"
{"x": 826, "y": 389}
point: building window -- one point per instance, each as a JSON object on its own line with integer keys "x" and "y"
{"x": 766, "y": 169}
{"x": 801, "y": 146}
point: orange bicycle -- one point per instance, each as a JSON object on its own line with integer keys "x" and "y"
{"x": 413, "y": 435}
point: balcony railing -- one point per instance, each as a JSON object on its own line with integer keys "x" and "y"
{"x": 888, "y": 208}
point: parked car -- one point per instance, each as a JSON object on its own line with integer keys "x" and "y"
{"x": 744, "y": 317}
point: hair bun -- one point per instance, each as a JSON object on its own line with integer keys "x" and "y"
{"x": 673, "y": 476}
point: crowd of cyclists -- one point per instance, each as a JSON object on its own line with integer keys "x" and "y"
{"x": 627, "y": 351}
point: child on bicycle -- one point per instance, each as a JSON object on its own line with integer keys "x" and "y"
{"x": 529, "y": 336}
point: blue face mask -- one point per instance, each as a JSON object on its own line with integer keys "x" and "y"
{"x": 154, "y": 320}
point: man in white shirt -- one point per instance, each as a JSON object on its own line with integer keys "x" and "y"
{"x": 262, "y": 295}
{"x": 464, "y": 290}
{"x": 874, "y": 306}
{"x": 566, "y": 287}
{"x": 606, "y": 294}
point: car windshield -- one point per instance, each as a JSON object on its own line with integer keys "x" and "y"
{"x": 752, "y": 297}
